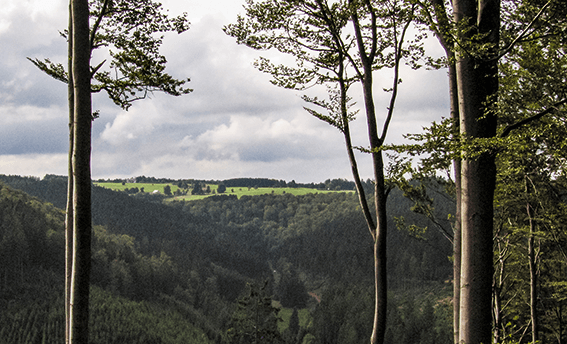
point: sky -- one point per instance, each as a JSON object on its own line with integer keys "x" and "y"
{"x": 234, "y": 124}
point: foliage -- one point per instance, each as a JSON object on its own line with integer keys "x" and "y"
{"x": 31, "y": 292}
{"x": 113, "y": 320}
{"x": 221, "y": 188}
{"x": 529, "y": 146}
{"x": 196, "y": 257}
{"x": 131, "y": 33}
{"x": 256, "y": 320}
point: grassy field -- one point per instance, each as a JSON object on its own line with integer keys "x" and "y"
{"x": 285, "y": 315}
{"x": 238, "y": 191}
{"x": 147, "y": 187}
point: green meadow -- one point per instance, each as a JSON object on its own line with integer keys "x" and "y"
{"x": 244, "y": 191}
{"x": 148, "y": 187}
{"x": 238, "y": 191}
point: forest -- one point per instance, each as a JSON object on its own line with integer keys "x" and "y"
{"x": 459, "y": 236}
{"x": 184, "y": 267}
{"x": 187, "y": 268}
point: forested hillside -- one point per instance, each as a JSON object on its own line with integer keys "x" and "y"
{"x": 185, "y": 264}
{"x": 31, "y": 292}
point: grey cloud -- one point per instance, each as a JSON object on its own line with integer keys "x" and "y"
{"x": 35, "y": 37}
{"x": 49, "y": 136}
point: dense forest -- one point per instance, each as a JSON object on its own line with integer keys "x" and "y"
{"x": 193, "y": 272}
{"x": 200, "y": 271}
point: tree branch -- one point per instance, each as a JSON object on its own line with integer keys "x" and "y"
{"x": 524, "y": 32}
{"x": 398, "y": 58}
{"x": 97, "y": 23}
{"x": 535, "y": 117}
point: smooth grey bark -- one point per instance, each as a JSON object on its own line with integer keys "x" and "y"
{"x": 69, "y": 205}
{"x": 438, "y": 19}
{"x": 457, "y": 224}
{"x": 379, "y": 234}
{"x": 477, "y": 80}
{"x": 82, "y": 120}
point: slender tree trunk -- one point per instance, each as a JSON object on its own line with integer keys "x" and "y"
{"x": 380, "y": 263}
{"x": 533, "y": 271}
{"x": 69, "y": 206}
{"x": 498, "y": 284}
{"x": 477, "y": 80}
{"x": 457, "y": 224}
{"x": 560, "y": 323}
{"x": 446, "y": 41}
{"x": 380, "y": 232}
{"x": 79, "y": 298}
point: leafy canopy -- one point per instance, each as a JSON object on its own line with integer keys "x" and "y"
{"x": 131, "y": 33}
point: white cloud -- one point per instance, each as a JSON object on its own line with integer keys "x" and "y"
{"x": 29, "y": 114}
{"x": 249, "y": 138}
{"x": 130, "y": 125}
{"x": 33, "y": 164}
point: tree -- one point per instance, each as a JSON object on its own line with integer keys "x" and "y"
{"x": 529, "y": 200}
{"x": 293, "y": 329}
{"x": 255, "y": 321}
{"x": 221, "y": 188}
{"x": 440, "y": 23}
{"x": 315, "y": 34}
{"x": 477, "y": 84}
{"x": 167, "y": 190}
{"x": 477, "y": 46}
{"x": 126, "y": 28}
{"x": 197, "y": 189}
{"x": 81, "y": 251}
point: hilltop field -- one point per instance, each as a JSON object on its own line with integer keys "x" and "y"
{"x": 179, "y": 194}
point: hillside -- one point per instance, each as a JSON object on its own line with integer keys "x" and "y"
{"x": 31, "y": 292}
{"x": 198, "y": 256}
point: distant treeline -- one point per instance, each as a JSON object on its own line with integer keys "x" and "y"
{"x": 329, "y": 184}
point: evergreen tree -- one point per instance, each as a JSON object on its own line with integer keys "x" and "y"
{"x": 256, "y": 320}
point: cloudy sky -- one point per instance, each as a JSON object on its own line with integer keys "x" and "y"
{"x": 234, "y": 124}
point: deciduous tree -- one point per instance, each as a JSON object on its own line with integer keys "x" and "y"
{"x": 78, "y": 307}
{"x": 480, "y": 43}
{"x": 127, "y": 30}
{"x": 315, "y": 33}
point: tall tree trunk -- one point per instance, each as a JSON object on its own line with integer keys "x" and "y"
{"x": 380, "y": 232}
{"x": 477, "y": 80}
{"x": 69, "y": 206}
{"x": 380, "y": 263}
{"x": 444, "y": 28}
{"x": 533, "y": 269}
{"x": 457, "y": 224}
{"x": 79, "y": 298}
